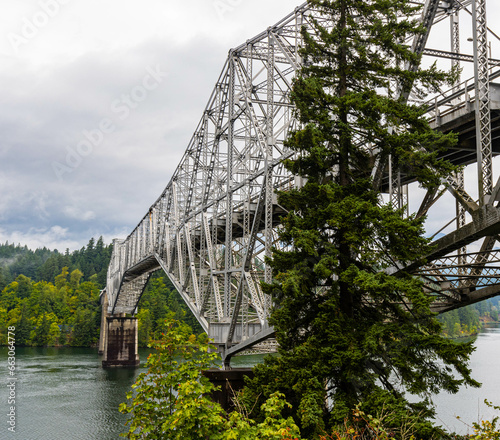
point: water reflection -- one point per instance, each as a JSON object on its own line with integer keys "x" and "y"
{"x": 63, "y": 393}
{"x": 468, "y": 403}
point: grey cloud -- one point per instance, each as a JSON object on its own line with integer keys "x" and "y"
{"x": 45, "y": 113}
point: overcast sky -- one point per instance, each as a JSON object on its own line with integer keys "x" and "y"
{"x": 80, "y": 156}
{"x": 66, "y": 69}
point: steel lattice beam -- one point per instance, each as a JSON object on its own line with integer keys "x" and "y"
{"x": 483, "y": 117}
{"x": 216, "y": 220}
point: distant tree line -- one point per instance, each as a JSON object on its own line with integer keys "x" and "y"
{"x": 54, "y": 299}
{"x": 44, "y": 264}
{"x": 159, "y": 302}
{"x": 468, "y": 320}
{"x": 65, "y": 311}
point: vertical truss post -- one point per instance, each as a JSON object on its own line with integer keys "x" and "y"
{"x": 482, "y": 86}
{"x": 204, "y": 178}
{"x": 462, "y": 252}
{"x": 213, "y": 268}
{"x": 160, "y": 226}
{"x": 177, "y": 231}
{"x": 398, "y": 192}
{"x": 185, "y": 267}
{"x": 127, "y": 253}
{"x": 269, "y": 156}
{"x": 460, "y": 210}
{"x": 247, "y": 252}
{"x": 152, "y": 235}
{"x": 244, "y": 318}
{"x": 299, "y": 21}
{"x": 136, "y": 245}
{"x": 192, "y": 265}
{"x": 455, "y": 42}
{"x": 405, "y": 202}
{"x": 248, "y": 148}
{"x": 229, "y": 195}
{"x": 144, "y": 237}
{"x": 169, "y": 257}
{"x": 133, "y": 249}
{"x": 393, "y": 184}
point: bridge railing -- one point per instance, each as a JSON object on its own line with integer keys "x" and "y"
{"x": 459, "y": 97}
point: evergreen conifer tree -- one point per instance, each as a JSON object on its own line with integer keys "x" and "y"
{"x": 351, "y": 330}
{"x": 23, "y": 328}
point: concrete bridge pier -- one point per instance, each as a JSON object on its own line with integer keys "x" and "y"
{"x": 120, "y": 347}
{"x": 229, "y": 383}
{"x": 104, "y": 315}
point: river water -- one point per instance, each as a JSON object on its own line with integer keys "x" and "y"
{"x": 64, "y": 394}
{"x": 468, "y": 403}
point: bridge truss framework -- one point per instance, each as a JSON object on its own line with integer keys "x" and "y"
{"x": 216, "y": 220}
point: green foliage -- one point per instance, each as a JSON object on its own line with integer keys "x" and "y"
{"x": 45, "y": 265}
{"x": 349, "y": 329}
{"x": 4, "y": 276}
{"x": 84, "y": 328}
{"x": 44, "y": 282}
{"x": 47, "y": 314}
{"x": 69, "y": 300}
{"x": 171, "y": 400}
{"x": 145, "y": 327}
{"x": 468, "y": 320}
{"x": 159, "y": 301}
{"x": 45, "y": 331}
{"x": 273, "y": 427}
{"x": 487, "y": 430}
{"x": 461, "y": 322}
{"x": 17, "y": 260}
{"x": 23, "y": 327}
{"x": 367, "y": 427}
{"x": 494, "y": 314}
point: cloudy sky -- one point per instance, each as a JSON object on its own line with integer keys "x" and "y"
{"x": 73, "y": 70}
{"x": 98, "y": 102}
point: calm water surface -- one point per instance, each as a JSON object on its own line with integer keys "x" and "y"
{"x": 468, "y": 404}
{"x": 64, "y": 394}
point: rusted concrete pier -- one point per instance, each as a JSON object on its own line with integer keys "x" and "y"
{"x": 230, "y": 382}
{"x": 120, "y": 342}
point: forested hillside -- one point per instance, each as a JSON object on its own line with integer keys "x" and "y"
{"x": 45, "y": 265}
{"x": 468, "y": 320}
{"x": 53, "y": 298}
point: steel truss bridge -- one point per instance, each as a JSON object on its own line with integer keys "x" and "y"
{"x": 216, "y": 220}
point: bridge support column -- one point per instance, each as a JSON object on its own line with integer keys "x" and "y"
{"x": 230, "y": 382}
{"x": 120, "y": 342}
